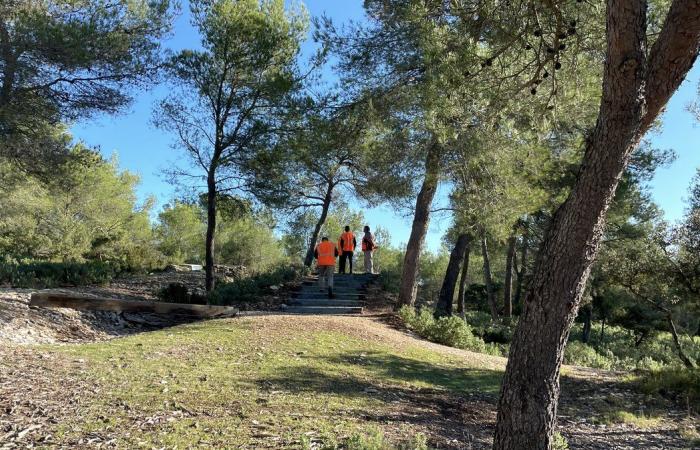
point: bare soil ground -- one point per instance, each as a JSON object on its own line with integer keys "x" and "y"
{"x": 301, "y": 375}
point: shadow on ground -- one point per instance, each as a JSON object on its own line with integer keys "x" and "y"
{"x": 457, "y": 406}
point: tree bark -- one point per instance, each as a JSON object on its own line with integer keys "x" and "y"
{"x": 463, "y": 280}
{"x": 632, "y": 98}
{"x": 523, "y": 268}
{"x": 488, "y": 280}
{"x": 409, "y": 274}
{"x": 508, "y": 287}
{"x": 211, "y": 230}
{"x": 317, "y": 229}
{"x": 447, "y": 291}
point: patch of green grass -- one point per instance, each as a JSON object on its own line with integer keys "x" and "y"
{"x": 231, "y": 383}
{"x": 691, "y": 434}
{"x": 630, "y": 418}
{"x": 684, "y": 384}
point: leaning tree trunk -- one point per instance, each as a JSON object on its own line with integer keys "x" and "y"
{"x": 409, "y": 274}
{"x": 317, "y": 229}
{"x": 211, "y": 229}
{"x": 635, "y": 88}
{"x": 488, "y": 279}
{"x": 508, "y": 287}
{"x": 464, "y": 278}
{"x": 523, "y": 269}
{"x": 676, "y": 340}
{"x": 447, "y": 292}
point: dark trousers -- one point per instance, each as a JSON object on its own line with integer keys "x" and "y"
{"x": 347, "y": 254}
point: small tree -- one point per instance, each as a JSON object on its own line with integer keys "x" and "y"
{"x": 229, "y": 96}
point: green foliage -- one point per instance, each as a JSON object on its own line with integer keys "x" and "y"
{"x": 245, "y": 237}
{"x": 65, "y": 59}
{"x": 90, "y": 213}
{"x": 180, "y": 233}
{"x": 451, "y": 331}
{"x": 579, "y": 354}
{"x": 373, "y": 439}
{"x": 250, "y": 242}
{"x": 250, "y": 289}
{"x": 618, "y": 349}
{"x": 54, "y": 274}
{"x": 681, "y": 383}
{"x": 559, "y": 442}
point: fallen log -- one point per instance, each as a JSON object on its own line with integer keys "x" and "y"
{"x": 55, "y": 300}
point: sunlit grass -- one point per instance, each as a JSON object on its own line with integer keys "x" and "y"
{"x": 222, "y": 383}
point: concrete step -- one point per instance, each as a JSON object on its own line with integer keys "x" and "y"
{"x": 324, "y": 310}
{"x": 324, "y": 296}
{"x": 352, "y": 284}
{"x": 339, "y": 287}
{"x": 324, "y": 302}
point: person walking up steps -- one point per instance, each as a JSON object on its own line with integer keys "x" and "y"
{"x": 368, "y": 247}
{"x": 347, "y": 244}
{"x": 325, "y": 253}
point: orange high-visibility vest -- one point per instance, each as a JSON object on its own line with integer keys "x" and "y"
{"x": 348, "y": 237}
{"x": 326, "y": 253}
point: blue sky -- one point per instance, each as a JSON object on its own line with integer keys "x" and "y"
{"x": 146, "y": 151}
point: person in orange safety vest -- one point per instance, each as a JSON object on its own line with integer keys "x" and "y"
{"x": 325, "y": 253}
{"x": 347, "y": 244}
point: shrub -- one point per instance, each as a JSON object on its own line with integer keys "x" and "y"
{"x": 579, "y": 354}
{"x": 180, "y": 293}
{"x": 451, "y": 331}
{"x": 53, "y": 274}
{"x": 249, "y": 290}
{"x": 679, "y": 383}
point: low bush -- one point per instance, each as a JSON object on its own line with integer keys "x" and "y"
{"x": 451, "y": 331}
{"x": 180, "y": 293}
{"x": 580, "y": 354}
{"x": 617, "y": 345}
{"x": 55, "y": 274}
{"x": 683, "y": 384}
{"x": 249, "y": 290}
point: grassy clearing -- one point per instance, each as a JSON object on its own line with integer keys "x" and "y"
{"x": 241, "y": 383}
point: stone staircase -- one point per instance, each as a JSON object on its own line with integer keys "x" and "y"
{"x": 349, "y": 291}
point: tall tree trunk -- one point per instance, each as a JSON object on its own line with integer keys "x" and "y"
{"x": 634, "y": 92}
{"x": 508, "y": 288}
{"x": 488, "y": 280}
{"x": 587, "y": 315}
{"x": 523, "y": 268}
{"x": 317, "y": 229}
{"x": 211, "y": 229}
{"x": 447, "y": 291}
{"x": 463, "y": 280}
{"x": 676, "y": 340}
{"x": 409, "y": 274}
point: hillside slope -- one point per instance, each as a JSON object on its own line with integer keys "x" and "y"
{"x": 280, "y": 381}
